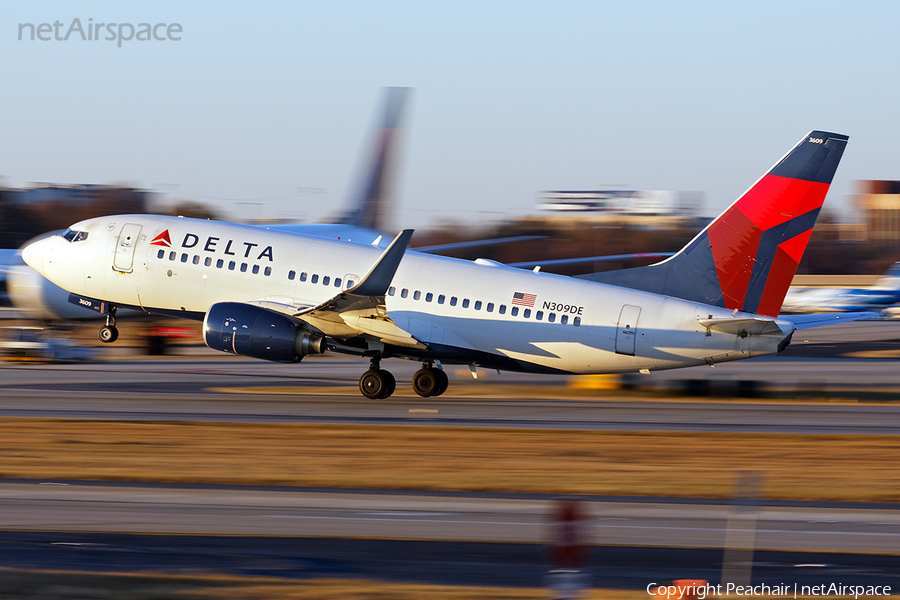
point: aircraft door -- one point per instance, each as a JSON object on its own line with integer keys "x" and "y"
{"x": 627, "y": 329}
{"x": 123, "y": 260}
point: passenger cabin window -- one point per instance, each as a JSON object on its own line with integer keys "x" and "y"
{"x": 303, "y": 276}
{"x": 490, "y": 307}
{"x": 465, "y": 303}
{"x": 208, "y": 261}
{"x": 184, "y": 258}
{"x": 243, "y": 267}
{"x": 404, "y": 293}
{"x": 453, "y": 301}
{"x": 268, "y": 271}
{"x": 392, "y": 290}
{"x": 160, "y": 253}
{"x": 291, "y": 275}
{"x": 231, "y": 265}
{"x": 255, "y": 269}
{"x": 564, "y": 319}
{"x": 172, "y": 255}
{"x": 551, "y": 317}
{"x": 326, "y": 280}
{"x": 478, "y": 305}
{"x": 429, "y": 297}
{"x": 527, "y": 313}
{"x": 220, "y": 263}
{"x": 441, "y": 299}
{"x": 337, "y": 282}
{"x": 417, "y": 294}
{"x": 576, "y": 321}
{"x": 539, "y": 315}
{"x": 314, "y": 278}
{"x": 515, "y": 311}
{"x": 196, "y": 260}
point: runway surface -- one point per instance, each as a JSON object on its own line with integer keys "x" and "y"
{"x": 213, "y": 388}
{"x": 441, "y": 563}
{"x": 459, "y": 539}
{"x": 444, "y": 538}
{"x": 237, "y": 510}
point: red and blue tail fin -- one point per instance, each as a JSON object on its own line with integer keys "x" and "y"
{"x": 746, "y": 258}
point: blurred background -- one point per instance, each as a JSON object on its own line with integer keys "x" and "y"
{"x": 575, "y": 136}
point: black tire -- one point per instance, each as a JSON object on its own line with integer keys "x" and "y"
{"x": 372, "y": 384}
{"x": 108, "y": 334}
{"x": 390, "y": 384}
{"x": 425, "y": 382}
{"x": 442, "y": 380}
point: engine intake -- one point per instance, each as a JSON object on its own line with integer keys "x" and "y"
{"x": 248, "y": 330}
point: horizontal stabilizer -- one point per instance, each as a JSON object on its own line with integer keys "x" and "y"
{"x": 810, "y": 321}
{"x": 743, "y": 327}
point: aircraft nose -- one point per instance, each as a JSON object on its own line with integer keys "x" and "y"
{"x": 33, "y": 254}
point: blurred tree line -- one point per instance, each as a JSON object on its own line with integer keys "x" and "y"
{"x": 26, "y": 213}
{"x": 559, "y": 237}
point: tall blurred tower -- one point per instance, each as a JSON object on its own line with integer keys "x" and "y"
{"x": 879, "y": 202}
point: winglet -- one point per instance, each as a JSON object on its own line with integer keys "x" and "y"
{"x": 377, "y": 281}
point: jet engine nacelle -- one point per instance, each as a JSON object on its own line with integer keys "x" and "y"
{"x": 249, "y": 330}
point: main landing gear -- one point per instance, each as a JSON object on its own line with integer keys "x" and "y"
{"x": 377, "y": 384}
{"x": 110, "y": 332}
{"x": 429, "y": 381}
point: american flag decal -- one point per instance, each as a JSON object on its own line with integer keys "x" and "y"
{"x": 523, "y": 299}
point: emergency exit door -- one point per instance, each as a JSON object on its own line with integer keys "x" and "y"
{"x": 627, "y": 329}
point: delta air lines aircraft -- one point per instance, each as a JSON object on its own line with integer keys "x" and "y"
{"x": 282, "y": 297}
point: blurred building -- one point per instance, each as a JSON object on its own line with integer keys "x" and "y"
{"x": 645, "y": 208}
{"x": 879, "y": 203}
{"x": 38, "y": 208}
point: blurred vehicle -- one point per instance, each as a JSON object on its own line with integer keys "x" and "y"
{"x": 883, "y": 296}
{"x": 39, "y": 343}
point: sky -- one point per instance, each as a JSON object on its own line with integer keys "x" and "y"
{"x": 266, "y": 109}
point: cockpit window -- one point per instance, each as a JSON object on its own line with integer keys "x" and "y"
{"x": 73, "y": 235}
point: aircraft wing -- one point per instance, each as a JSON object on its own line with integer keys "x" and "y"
{"x": 361, "y": 309}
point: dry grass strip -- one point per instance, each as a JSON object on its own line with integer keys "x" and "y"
{"x": 797, "y": 467}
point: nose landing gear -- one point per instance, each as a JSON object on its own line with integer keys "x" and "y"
{"x": 110, "y": 332}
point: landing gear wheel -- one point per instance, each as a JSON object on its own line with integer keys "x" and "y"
{"x": 425, "y": 382}
{"x": 390, "y": 384}
{"x": 442, "y": 381}
{"x": 109, "y": 334}
{"x": 377, "y": 384}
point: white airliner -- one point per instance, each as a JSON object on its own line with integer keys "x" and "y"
{"x": 281, "y": 297}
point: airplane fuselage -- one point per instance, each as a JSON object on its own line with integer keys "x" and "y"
{"x": 479, "y": 313}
